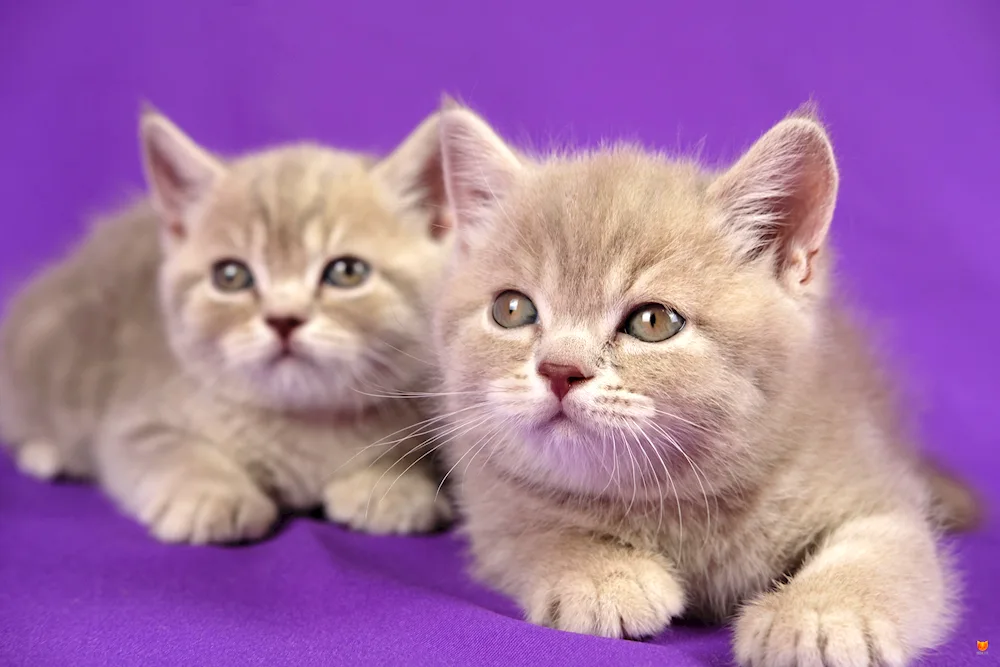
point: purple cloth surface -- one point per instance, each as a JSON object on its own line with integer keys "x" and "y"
{"x": 912, "y": 96}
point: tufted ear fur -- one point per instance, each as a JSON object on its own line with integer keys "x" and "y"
{"x": 415, "y": 171}
{"x": 479, "y": 168}
{"x": 179, "y": 172}
{"x": 778, "y": 199}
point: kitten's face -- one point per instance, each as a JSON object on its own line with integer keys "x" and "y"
{"x": 602, "y": 318}
{"x": 299, "y": 277}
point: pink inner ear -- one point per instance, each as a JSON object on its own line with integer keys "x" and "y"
{"x": 178, "y": 172}
{"x": 780, "y": 196}
{"x": 479, "y": 167}
{"x": 444, "y": 222}
{"x": 176, "y": 230}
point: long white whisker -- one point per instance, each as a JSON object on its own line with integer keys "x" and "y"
{"x": 423, "y": 456}
{"x": 390, "y": 345}
{"x": 451, "y": 469}
{"x": 483, "y": 446}
{"x": 440, "y": 430}
{"x": 698, "y": 473}
{"x": 418, "y": 428}
{"x": 683, "y": 420}
{"x": 652, "y": 474}
{"x": 614, "y": 461}
{"x": 493, "y": 439}
{"x": 677, "y": 498}
{"x": 417, "y": 394}
{"x": 628, "y": 450}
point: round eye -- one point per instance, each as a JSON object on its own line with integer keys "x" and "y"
{"x": 346, "y": 272}
{"x": 231, "y": 275}
{"x": 512, "y": 309}
{"x": 653, "y": 323}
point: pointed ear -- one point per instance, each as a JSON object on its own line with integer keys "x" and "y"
{"x": 479, "y": 168}
{"x": 415, "y": 171}
{"x": 778, "y": 199}
{"x": 179, "y": 172}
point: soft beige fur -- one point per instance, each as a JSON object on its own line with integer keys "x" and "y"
{"x": 752, "y": 465}
{"x": 123, "y": 362}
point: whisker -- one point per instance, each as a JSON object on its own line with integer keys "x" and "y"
{"x": 614, "y": 463}
{"x": 683, "y": 420}
{"x": 628, "y": 450}
{"x": 698, "y": 472}
{"x": 422, "y": 457}
{"x": 482, "y": 447}
{"x": 677, "y": 498}
{"x": 452, "y": 469}
{"x": 419, "y": 394}
{"x": 497, "y": 431}
{"x": 642, "y": 474}
{"x": 445, "y": 425}
{"x": 390, "y": 345}
{"x": 381, "y": 442}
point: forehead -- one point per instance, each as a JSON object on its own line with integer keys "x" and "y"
{"x": 595, "y": 231}
{"x": 292, "y": 203}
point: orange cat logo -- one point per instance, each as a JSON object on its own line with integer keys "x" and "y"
{"x": 982, "y": 646}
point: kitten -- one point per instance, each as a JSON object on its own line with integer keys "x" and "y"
{"x": 226, "y": 348}
{"x": 664, "y": 410}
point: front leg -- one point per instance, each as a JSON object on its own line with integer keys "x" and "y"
{"x": 388, "y": 497}
{"x": 573, "y": 580}
{"x": 182, "y": 487}
{"x": 875, "y": 593}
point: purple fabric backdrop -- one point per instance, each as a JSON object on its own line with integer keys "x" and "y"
{"x": 912, "y": 95}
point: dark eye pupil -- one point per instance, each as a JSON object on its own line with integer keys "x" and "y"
{"x": 653, "y": 323}
{"x": 513, "y": 309}
{"x": 346, "y": 272}
{"x": 232, "y": 276}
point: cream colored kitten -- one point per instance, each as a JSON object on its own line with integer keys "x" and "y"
{"x": 665, "y": 412}
{"x": 219, "y": 352}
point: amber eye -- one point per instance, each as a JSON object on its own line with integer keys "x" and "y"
{"x": 231, "y": 275}
{"x": 346, "y": 272}
{"x": 653, "y": 323}
{"x": 512, "y": 309}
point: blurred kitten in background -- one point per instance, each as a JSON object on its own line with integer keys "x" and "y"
{"x": 227, "y": 348}
{"x": 664, "y": 410}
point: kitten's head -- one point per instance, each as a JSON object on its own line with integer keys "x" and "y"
{"x": 297, "y": 276}
{"x": 614, "y": 321}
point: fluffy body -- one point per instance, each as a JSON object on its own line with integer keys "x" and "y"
{"x": 752, "y": 467}
{"x": 125, "y": 363}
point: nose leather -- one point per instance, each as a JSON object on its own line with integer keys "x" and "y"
{"x": 284, "y": 326}
{"x": 562, "y": 377}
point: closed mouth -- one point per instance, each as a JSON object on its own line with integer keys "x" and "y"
{"x": 559, "y": 417}
{"x": 284, "y": 354}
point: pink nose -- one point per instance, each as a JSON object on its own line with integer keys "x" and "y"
{"x": 284, "y": 326}
{"x": 562, "y": 377}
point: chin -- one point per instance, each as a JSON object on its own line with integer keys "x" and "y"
{"x": 292, "y": 383}
{"x": 564, "y": 453}
{"x": 560, "y": 431}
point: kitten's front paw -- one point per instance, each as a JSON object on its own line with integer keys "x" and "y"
{"x": 202, "y": 511}
{"x": 617, "y": 595}
{"x": 788, "y": 628}
{"x": 407, "y": 504}
{"x": 39, "y": 459}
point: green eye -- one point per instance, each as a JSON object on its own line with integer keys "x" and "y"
{"x": 346, "y": 272}
{"x": 513, "y": 309}
{"x": 231, "y": 275}
{"x": 653, "y": 323}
